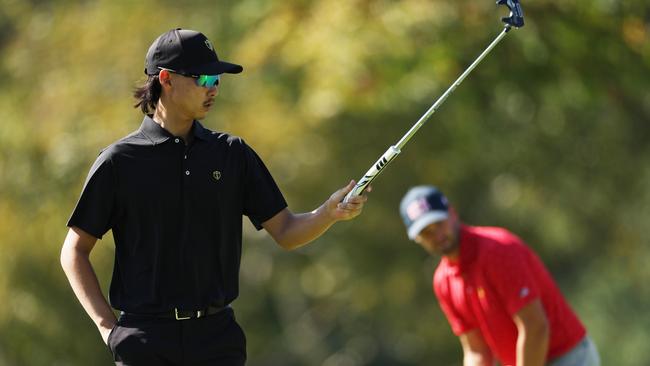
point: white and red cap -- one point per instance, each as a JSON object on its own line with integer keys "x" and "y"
{"x": 422, "y": 206}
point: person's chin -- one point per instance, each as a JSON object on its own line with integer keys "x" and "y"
{"x": 436, "y": 250}
{"x": 446, "y": 248}
{"x": 450, "y": 248}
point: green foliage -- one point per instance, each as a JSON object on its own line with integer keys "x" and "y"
{"x": 547, "y": 137}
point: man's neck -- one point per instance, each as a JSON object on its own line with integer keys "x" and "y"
{"x": 173, "y": 123}
{"x": 454, "y": 254}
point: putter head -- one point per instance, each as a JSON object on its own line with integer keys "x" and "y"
{"x": 516, "y": 18}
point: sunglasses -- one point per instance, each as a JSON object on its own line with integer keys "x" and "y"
{"x": 207, "y": 81}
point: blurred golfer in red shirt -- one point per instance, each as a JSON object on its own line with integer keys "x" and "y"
{"x": 497, "y": 295}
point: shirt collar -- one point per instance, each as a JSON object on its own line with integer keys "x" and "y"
{"x": 468, "y": 247}
{"x": 200, "y": 131}
{"x": 158, "y": 135}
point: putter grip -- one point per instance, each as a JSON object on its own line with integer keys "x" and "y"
{"x": 373, "y": 172}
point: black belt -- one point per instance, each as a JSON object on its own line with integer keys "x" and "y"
{"x": 179, "y": 314}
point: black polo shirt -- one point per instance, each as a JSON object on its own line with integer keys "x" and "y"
{"x": 176, "y": 215}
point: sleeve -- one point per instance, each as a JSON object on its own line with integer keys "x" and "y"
{"x": 512, "y": 276}
{"x": 459, "y": 324}
{"x": 262, "y": 197}
{"x": 95, "y": 209}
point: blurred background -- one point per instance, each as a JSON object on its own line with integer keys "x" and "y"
{"x": 548, "y": 137}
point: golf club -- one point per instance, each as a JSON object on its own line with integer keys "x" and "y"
{"x": 516, "y": 19}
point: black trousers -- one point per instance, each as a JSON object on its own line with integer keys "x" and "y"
{"x": 145, "y": 341}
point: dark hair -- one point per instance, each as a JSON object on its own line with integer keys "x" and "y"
{"x": 148, "y": 94}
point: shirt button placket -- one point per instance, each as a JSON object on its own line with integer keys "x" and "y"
{"x": 186, "y": 164}
{"x": 185, "y": 169}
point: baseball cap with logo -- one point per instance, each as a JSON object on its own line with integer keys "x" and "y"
{"x": 422, "y": 206}
{"x": 186, "y": 51}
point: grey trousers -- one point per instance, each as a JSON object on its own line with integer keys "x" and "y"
{"x": 583, "y": 354}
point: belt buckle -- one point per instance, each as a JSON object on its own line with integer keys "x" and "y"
{"x": 182, "y": 317}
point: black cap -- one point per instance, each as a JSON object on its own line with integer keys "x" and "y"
{"x": 422, "y": 206}
{"x": 186, "y": 51}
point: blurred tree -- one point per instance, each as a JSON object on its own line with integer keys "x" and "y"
{"x": 547, "y": 137}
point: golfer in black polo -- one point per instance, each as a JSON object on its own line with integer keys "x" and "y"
{"x": 174, "y": 194}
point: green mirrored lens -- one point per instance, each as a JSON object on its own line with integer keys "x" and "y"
{"x": 207, "y": 81}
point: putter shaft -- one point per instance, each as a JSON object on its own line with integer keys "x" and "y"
{"x": 394, "y": 150}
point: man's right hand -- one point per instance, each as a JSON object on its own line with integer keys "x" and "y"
{"x": 338, "y": 210}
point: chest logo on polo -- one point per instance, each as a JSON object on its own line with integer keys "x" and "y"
{"x": 216, "y": 175}
{"x": 524, "y": 292}
{"x": 480, "y": 292}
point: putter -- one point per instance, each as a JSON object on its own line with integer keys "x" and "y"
{"x": 516, "y": 19}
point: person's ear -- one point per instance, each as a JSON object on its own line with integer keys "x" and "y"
{"x": 165, "y": 78}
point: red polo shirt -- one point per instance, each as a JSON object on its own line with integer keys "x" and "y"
{"x": 495, "y": 275}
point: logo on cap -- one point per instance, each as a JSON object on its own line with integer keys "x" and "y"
{"x": 417, "y": 208}
{"x": 216, "y": 175}
{"x": 209, "y": 45}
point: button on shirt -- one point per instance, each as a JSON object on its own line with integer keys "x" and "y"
{"x": 495, "y": 276}
{"x": 176, "y": 215}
